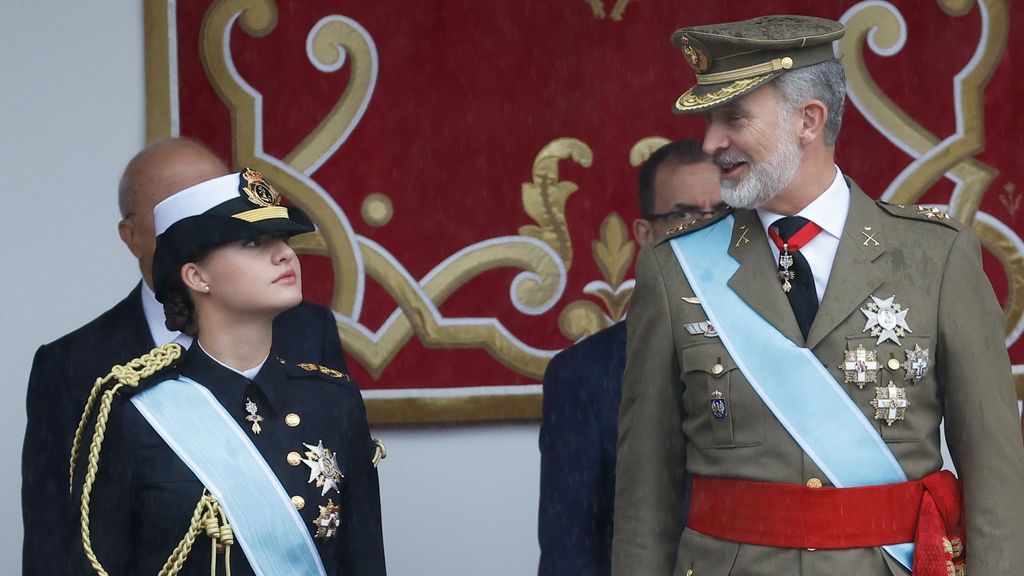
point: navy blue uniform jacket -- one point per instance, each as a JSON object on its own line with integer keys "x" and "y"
{"x": 62, "y": 374}
{"x": 582, "y": 392}
{"x": 144, "y": 495}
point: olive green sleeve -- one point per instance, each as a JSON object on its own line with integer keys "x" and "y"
{"x": 651, "y": 466}
{"x": 980, "y": 412}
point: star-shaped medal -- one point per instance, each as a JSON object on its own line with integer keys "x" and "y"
{"x": 886, "y": 319}
{"x": 890, "y": 403}
{"x": 859, "y": 366}
{"x": 916, "y": 363}
{"x": 323, "y": 468}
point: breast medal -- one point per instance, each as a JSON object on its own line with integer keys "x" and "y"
{"x": 860, "y": 367}
{"x": 886, "y": 319}
{"x": 328, "y": 521}
{"x": 890, "y": 403}
{"x": 916, "y": 364}
{"x": 253, "y": 417}
{"x": 323, "y": 468}
{"x": 719, "y": 405}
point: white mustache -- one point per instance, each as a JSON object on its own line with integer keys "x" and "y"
{"x": 724, "y": 159}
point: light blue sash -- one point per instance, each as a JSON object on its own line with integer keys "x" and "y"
{"x": 791, "y": 381}
{"x": 214, "y": 447}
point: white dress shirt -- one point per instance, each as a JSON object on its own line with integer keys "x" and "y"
{"x": 828, "y": 211}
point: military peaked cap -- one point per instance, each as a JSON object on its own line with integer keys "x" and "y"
{"x": 735, "y": 58}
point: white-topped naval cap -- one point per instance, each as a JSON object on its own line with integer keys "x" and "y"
{"x": 194, "y": 200}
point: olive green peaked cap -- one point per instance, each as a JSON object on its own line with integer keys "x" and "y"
{"x": 735, "y": 58}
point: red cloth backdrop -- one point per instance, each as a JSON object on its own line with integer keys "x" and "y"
{"x": 436, "y": 170}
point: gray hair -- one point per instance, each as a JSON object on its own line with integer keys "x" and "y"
{"x": 825, "y": 81}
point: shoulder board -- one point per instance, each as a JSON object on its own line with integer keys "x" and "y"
{"x": 691, "y": 225}
{"x": 923, "y": 213}
{"x": 310, "y": 370}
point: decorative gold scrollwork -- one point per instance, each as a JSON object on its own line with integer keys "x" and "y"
{"x": 544, "y": 198}
{"x": 881, "y": 27}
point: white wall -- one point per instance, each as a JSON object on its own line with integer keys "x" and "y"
{"x": 456, "y": 500}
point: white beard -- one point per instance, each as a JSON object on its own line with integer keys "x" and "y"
{"x": 765, "y": 179}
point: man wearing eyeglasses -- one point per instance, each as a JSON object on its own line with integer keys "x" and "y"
{"x": 582, "y": 385}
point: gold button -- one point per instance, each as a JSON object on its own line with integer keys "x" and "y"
{"x": 292, "y": 419}
{"x": 717, "y": 369}
{"x": 893, "y": 364}
{"x": 814, "y": 483}
{"x": 294, "y": 458}
{"x": 299, "y": 502}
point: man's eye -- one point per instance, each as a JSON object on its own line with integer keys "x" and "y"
{"x": 252, "y": 243}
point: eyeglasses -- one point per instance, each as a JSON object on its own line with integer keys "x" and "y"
{"x": 685, "y": 212}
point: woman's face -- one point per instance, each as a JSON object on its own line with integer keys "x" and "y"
{"x": 253, "y": 276}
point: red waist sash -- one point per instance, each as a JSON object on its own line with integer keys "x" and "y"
{"x": 927, "y": 512}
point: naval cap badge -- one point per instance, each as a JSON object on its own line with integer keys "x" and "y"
{"x": 886, "y": 319}
{"x": 258, "y": 190}
{"x": 323, "y": 468}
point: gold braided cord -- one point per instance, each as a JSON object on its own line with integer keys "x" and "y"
{"x": 177, "y": 558}
{"x": 129, "y": 374}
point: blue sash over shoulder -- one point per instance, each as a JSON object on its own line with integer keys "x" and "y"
{"x": 791, "y": 381}
{"x": 206, "y": 438}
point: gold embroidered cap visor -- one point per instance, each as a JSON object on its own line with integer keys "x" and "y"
{"x": 736, "y": 58}
{"x": 227, "y": 209}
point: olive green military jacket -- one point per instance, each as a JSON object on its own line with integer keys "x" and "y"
{"x": 933, "y": 268}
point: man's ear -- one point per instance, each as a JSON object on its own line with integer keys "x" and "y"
{"x": 193, "y": 279}
{"x": 643, "y": 232}
{"x": 813, "y": 117}
{"x": 126, "y": 230}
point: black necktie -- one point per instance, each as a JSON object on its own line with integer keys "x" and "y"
{"x": 802, "y": 296}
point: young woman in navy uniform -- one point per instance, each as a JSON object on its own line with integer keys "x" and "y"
{"x": 226, "y": 459}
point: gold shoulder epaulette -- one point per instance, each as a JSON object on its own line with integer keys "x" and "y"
{"x": 318, "y": 369}
{"x": 691, "y": 225}
{"x": 916, "y": 212}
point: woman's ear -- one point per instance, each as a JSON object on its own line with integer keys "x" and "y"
{"x": 193, "y": 279}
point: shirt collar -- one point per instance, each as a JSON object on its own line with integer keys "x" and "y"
{"x": 828, "y": 210}
{"x": 155, "y": 319}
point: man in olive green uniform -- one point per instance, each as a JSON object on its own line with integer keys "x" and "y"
{"x": 843, "y": 331}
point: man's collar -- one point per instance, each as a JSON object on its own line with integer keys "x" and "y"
{"x": 828, "y": 210}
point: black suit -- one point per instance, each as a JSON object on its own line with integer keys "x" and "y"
{"x": 582, "y": 392}
{"x": 62, "y": 374}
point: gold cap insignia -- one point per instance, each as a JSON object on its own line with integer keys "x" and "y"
{"x": 695, "y": 54}
{"x": 258, "y": 190}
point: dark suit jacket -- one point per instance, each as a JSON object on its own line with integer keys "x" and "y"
{"x": 582, "y": 391}
{"x": 62, "y": 374}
